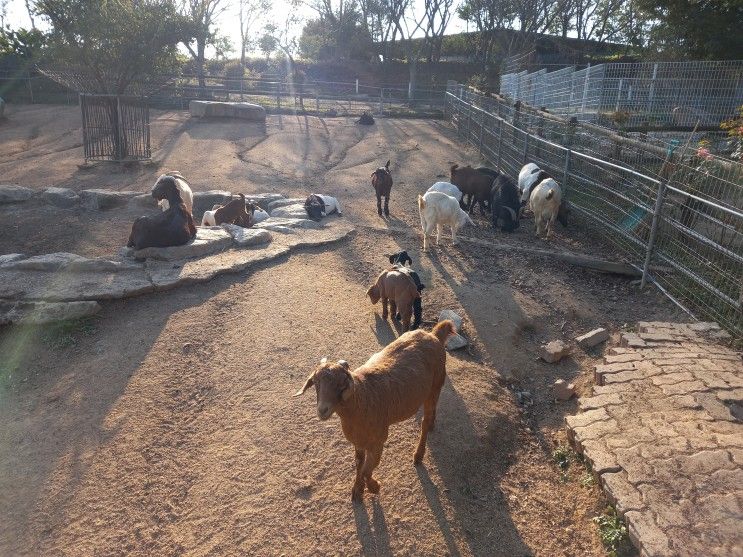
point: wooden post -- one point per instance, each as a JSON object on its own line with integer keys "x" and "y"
{"x": 500, "y": 143}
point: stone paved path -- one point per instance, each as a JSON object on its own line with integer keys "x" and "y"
{"x": 664, "y": 432}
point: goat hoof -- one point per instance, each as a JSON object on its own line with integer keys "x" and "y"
{"x": 357, "y": 495}
{"x": 372, "y": 485}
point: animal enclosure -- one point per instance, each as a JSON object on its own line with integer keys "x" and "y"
{"x": 115, "y": 128}
{"x": 673, "y": 94}
{"x": 683, "y": 228}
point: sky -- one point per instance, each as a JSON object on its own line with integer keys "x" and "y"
{"x": 228, "y": 23}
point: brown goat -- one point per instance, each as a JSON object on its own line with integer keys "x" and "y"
{"x": 397, "y": 288}
{"x": 173, "y": 227}
{"x": 473, "y": 183}
{"x": 388, "y": 388}
{"x": 382, "y": 183}
{"x": 235, "y": 213}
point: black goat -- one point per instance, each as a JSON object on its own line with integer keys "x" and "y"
{"x": 504, "y": 200}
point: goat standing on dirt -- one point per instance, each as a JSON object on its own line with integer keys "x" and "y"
{"x": 473, "y": 183}
{"x": 396, "y": 287}
{"x": 382, "y": 183}
{"x": 388, "y": 388}
{"x": 437, "y": 209}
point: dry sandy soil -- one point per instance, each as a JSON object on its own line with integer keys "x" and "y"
{"x": 167, "y": 427}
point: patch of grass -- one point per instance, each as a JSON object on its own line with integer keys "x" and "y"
{"x": 613, "y": 533}
{"x": 65, "y": 334}
{"x": 562, "y": 456}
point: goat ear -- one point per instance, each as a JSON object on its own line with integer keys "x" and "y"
{"x": 343, "y": 364}
{"x": 323, "y": 361}
{"x": 307, "y": 384}
{"x": 387, "y": 166}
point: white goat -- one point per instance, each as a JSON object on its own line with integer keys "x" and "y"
{"x": 448, "y": 188}
{"x": 183, "y": 187}
{"x": 331, "y": 204}
{"x": 208, "y": 219}
{"x": 437, "y": 209}
{"x": 545, "y": 202}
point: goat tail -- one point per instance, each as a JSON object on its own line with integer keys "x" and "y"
{"x": 443, "y": 330}
{"x": 550, "y": 194}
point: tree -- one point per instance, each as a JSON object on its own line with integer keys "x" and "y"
{"x": 696, "y": 29}
{"x": 202, "y": 14}
{"x": 3, "y": 13}
{"x": 437, "y": 16}
{"x": 268, "y": 43}
{"x": 335, "y": 39}
{"x": 112, "y": 45}
{"x": 31, "y": 12}
{"x": 250, "y": 13}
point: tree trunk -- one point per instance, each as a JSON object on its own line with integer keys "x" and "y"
{"x": 413, "y": 67}
{"x": 200, "y": 50}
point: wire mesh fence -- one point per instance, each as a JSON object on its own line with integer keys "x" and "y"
{"x": 115, "y": 128}
{"x": 681, "y": 207}
{"x": 659, "y": 94}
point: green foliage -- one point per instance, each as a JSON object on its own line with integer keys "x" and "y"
{"x": 613, "y": 532}
{"x": 694, "y": 29}
{"x": 115, "y": 42}
{"x": 326, "y": 40}
{"x": 268, "y": 44}
{"x": 27, "y": 44}
{"x": 562, "y": 456}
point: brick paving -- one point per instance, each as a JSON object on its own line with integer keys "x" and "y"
{"x": 664, "y": 433}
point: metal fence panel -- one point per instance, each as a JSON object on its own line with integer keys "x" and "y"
{"x": 696, "y": 256}
{"x": 115, "y": 128}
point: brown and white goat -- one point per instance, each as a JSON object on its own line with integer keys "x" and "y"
{"x": 235, "y": 212}
{"x": 397, "y": 288}
{"x": 388, "y": 388}
{"x": 473, "y": 183}
{"x": 382, "y": 182}
{"x": 173, "y": 227}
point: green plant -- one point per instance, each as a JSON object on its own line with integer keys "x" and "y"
{"x": 562, "y": 456}
{"x": 613, "y": 532}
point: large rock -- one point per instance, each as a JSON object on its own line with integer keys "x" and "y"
{"x": 278, "y": 224}
{"x": 204, "y": 200}
{"x": 49, "y": 262}
{"x": 14, "y": 194}
{"x": 592, "y": 338}
{"x": 295, "y": 211}
{"x": 61, "y": 197}
{"x": 214, "y": 109}
{"x": 264, "y": 199}
{"x": 208, "y": 240}
{"x": 143, "y": 200}
{"x": 455, "y": 342}
{"x": 39, "y": 313}
{"x": 563, "y": 390}
{"x": 10, "y": 258}
{"x": 284, "y": 202}
{"x": 244, "y": 237}
{"x": 554, "y": 351}
{"x": 102, "y": 200}
{"x": 453, "y": 316}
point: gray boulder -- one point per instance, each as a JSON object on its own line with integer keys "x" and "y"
{"x": 214, "y": 109}
{"x": 453, "y": 316}
{"x": 244, "y": 237}
{"x": 143, "y": 200}
{"x": 295, "y": 211}
{"x": 61, "y": 197}
{"x": 274, "y": 223}
{"x": 456, "y": 342}
{"x": 49, "y": 262}
{"x": 10, "y": 258}
{"x": 264, "y": 199}
{"x": 102, "y": 200}
{"x": 208, "y": 240}
{"x": 204, "y": 200}
{"x": 14, "y": 194}
{"x": 284, "y": 202}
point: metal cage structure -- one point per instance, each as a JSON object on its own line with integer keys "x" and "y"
{"x": 115, "y": 127}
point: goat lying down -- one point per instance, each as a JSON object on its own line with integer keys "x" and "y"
{"x": 318, "y": 206}
{"x": 173, "y": 227}
{"x": 183, "y": 187}
{"x": 389, "y": 388}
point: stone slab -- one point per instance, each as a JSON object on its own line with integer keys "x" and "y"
{"x": 264, "y": 199}
{"x": 592, "y": 338}
{"x": 208, "y": 240}
{"x": 14, "y": 194}
{"x": 284, "y": 202}
{"x": 216, "y": 109}
{"x": 103, "y": 200}
{"x": 662, "y": 437}
{"x": 247, "y": 236}
{"x": 61, "y": 197}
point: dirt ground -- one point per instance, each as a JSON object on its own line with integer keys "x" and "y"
{"x": 167, "y": 427}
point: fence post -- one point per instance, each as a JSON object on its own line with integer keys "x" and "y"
{"x": 482, "y": 127}
{"x": 566, "y": 171}
{"x": 585, "y": 88}
{"x": 357, "y": 86}
{"x": 500, "y": 143}
{"x": 381, "y": 102}
{"x": 526, "y": 147}
{"x": 516, "y": 113}
{"x": 317, "y": 100}
{"x": 30, "y": 89}
{"x": 653, "y": 231}
{"x": 120, "y": 139}
{"x": 469, "y": 121}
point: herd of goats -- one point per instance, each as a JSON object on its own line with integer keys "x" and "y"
{"x": 409, "y": 372}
